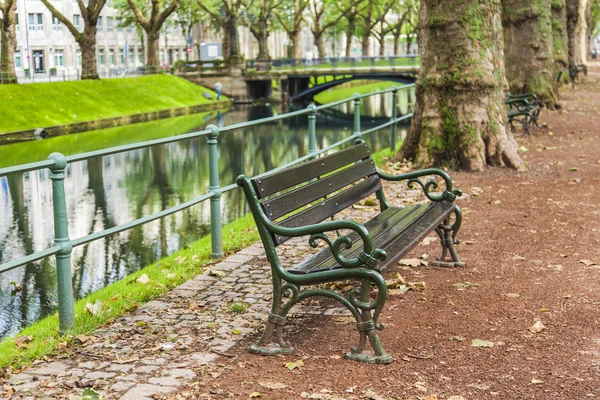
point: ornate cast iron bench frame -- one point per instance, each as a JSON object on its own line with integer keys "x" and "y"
{"x": 283, "y": 209}
{"x": 574, "y": 71}
{"x": 525, "y": 109}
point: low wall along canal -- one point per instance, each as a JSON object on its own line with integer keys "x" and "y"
{"x": 103, "y": 192}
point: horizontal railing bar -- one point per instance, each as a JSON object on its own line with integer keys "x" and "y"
{"x": 383, "y": 91}
{"x": 30, "y": 258}
{"x": 139, "y": 221}
{"x": 26, "y": 167}
{"x": 229, "y": 188}
{"x": 135, "y": 146}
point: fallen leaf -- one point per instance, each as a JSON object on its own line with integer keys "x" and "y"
{"x": 216, "y": 273}
{"x": 512, "y": 295}
{"x": 537, "y": 327}
{"x": 143, "y": 280}
{"x": 413, "y": 262}
{"x": 518, "y": 257}
{"x": 557, "y": 267}
{"x": 481, "y": 343}
{"x": 94, "y": 309}
{"x": 272, "y": 385}
{"x": 293, "y": 365}
{"x": 457, "y": 338}
{"x": 255, "y": 395}
{"x": 523, "y": 149}
{"x": 536, "y": 381}
{"x": 588, "y": 262}
{"x": 464, "y": 286}
{"x": 22, "y": 341}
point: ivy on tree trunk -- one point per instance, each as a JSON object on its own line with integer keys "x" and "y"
{"x": 460, "y": 118}
{"x": 529, "y": 51}
{"x": 560, "y": 39}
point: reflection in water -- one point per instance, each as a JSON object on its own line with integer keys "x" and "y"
{"x": 108, "y": 191}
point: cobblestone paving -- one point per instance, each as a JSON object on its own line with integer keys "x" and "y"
{"x": 160, "y": 347}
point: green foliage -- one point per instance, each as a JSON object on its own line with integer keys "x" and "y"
{"x": 69, "y": 102}
{"x": 442, "y": 145}
{"x": 238, "y": 307}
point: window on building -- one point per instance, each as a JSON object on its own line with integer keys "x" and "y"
{"x": 109, "y": 24}
{"x": 101, "y": 57}
{"x": 140, "y": 57}
{"x": 18, "y": 59}
{"x": 130, "y": 57}
{"x": 99, "y": 24}
{"x": 36, "y": 22}
{"x": 77, "y": 21}
{"x": 122, "y": 56}
{"x": 78, "y": 57}
{"x": 56, "y": 24}
{"x": 111, "y": 56}
{"x": 17, "y": 22}
{"x": 59, "y": 58}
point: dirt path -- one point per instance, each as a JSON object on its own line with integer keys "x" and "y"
{"x": 524, "y": 235}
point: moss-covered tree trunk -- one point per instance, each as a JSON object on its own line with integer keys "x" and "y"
{"x": 460, "y": 118}
{"x": 528, "y": 48}
{"x": 8, "y": 41}
{"x": 577, "y": 31}
{"x": 560, "y": 40}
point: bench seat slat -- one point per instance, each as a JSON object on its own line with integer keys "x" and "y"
{"x": 330, "y": 206}
{"x": 292, "y": 200}
{"x": 282, "y": 180}
{"x": 396, "y": 231}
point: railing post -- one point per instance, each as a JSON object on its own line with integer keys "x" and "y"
{"x": 394, "y": 117}
{"x": 357, "y": 114}
{"x": 312, "y": 130}
{"x": 215, "y": 188}
{"x": 66, "y": 306}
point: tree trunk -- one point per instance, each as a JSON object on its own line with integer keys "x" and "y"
{"x": 460, "y": 119}
{"x": 381, "y": 45}
{"x": 152, "y": 59}
{"x": 295, "y": 41}
{"x": 396, "y": 43}
{"x": 577, "y": 31}
{"x": 234, "y": 40}
{"x": 226, "y": 42}
{"x": 263, "y": 45}
{"x": 366, "y": 44}
{"x": 589, "y": 32}
{"x": 409, "y": 40}
{"x": 320, "y": 45}
{"x": 87, "y": 45}
{"x": 349, "y": 32}
{"x": 528, "y": 48}
{"x": 560, "y": 39}
{"x": 8, "y": 43}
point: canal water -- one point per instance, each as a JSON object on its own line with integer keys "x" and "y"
{"x": 108, "y": 191}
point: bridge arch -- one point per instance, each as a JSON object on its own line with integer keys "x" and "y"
{"x": 306, "y": 95}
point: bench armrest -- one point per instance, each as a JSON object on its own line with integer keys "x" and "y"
{"x": 449, "y": 193}
{"x": 368, "y": 256}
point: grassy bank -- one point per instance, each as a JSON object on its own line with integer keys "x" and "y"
{"x": 37, "y": 150}
{"x": 344, "y": 92}
{"x": 48, "y": 104}
{"x": 128, "y": 294}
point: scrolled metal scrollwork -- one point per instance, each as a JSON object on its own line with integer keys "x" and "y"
{"x": 344, "y": 242}
{"x": 449, "y": 195}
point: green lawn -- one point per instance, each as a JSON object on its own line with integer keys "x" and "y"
{"x": 46, "y": 104}
{"x": 344, "y": 92}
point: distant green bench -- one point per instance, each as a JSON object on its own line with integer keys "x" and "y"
{"x": 574, "y": 71}
{"x": 525, "y": 109}
{"x": 295, "y": 201}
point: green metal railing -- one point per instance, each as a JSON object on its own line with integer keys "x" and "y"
{"x": 57, "y": 164}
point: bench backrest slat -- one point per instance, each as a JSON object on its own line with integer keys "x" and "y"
{"x": 304, "y": 195}
{"x": 279, "y": 181}
{"x": 330, "y": 206}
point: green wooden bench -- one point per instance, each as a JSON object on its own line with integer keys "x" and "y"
{"x": 525, "y": 109}
{"x": 296, "y": 201}
{"x": 574, "y": 71}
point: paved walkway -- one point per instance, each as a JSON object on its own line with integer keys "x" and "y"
{"x": 158, "y": 348}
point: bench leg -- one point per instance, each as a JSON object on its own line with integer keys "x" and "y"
{"x": 367, "y": 330}
{"x": 275, "y": 323}
{"x": 447, "y": 234}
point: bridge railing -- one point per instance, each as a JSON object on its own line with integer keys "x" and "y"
{"x": 57, "y": 164}
{"x": 408, "y": 60}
